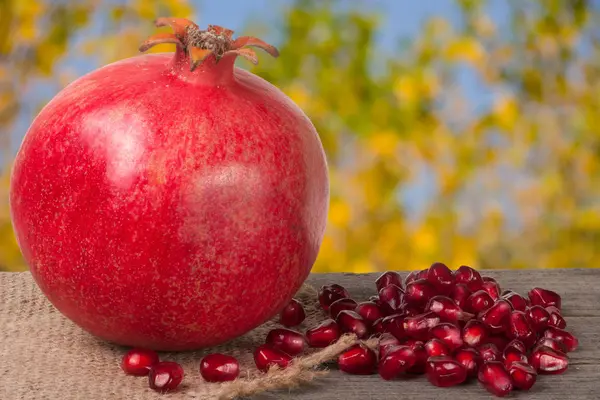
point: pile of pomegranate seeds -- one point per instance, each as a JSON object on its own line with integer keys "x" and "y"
{"x": 451, "y": 326}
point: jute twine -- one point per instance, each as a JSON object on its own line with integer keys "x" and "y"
{"x": 45, "y": 356}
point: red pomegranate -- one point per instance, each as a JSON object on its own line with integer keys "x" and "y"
{"x": 171, "y": 202}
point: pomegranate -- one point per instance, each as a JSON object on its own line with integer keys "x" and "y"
{"x": 447, "y": 309}
{"x": 421, "y": 358}
{"x": 548, "y": 361}
{"x": 369, "y": 311}
{"x": 330, "y": 293}
{"x": 286, "y": 340}
{"x": 489, "y": 352}
{"x": 470, "y": 359}
{"x": 219, "y": 368}
{"x": 492, "y": 287}
{"x": 139, "y": 361}
{"x": 324, "y": 334}
{"x": 266, "y": 356}
{"x": 522, "y": 374}
{"x": 449, "y": 334}
{"x": 474, "y": 333}
{"x": 468, "y": 276}
{"x": 351, "y": 322}
{"x": 418, "y": 292}
{"x": 539, "y": 318}
{"x": 497, "y": 317}
{"x": 394, "y": 324}
{"x": 544, "y": 298}
{"x": 553, "y": 344}
{"x": 436, "y": 347}
{"x": 390, "y": 299}
{"x": 479, "y": 302}
{"x": 293, "y": 314}
{"x": 441, "y": 277}
{"x": 386, "y": 341}
{"x": 358, "y": 360}
{"x": 171, "y": 202}
{"x": 495, "y": 378}
{"x": 460, "y": 294}
{"x": 417, "y": 327}
{"x": 556, "y": 319}
{"x": 565, "y": 338}
{"x": 445, "y": 372}
{"x": 517, "y": 301}
{"x": 341, "y": 305}
{"x": 519, "y": 328}
{"x": 388, "y": 278}
{"x": 165, "y": 376}
{"x": 397, "y": 359}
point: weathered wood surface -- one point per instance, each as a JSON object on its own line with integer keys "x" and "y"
{"x": 581, "y": 302}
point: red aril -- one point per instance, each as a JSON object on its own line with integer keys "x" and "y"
{"x": 553, "y": 344}
{"x": 293, "y": 314}
{"x": 556, "y": 319}
{"x": 492, "y": 287}
{"x": 377, "y": 326}
{"x": 324, "y": 334}
{"x": 470, "y": 359}
{"x": 474, "y": 333}
{"x": 519, "y": 328}
{"x": 358, "y": 360}
{"x": 394, "y": 324}
{"x": 479, "y": 302}
{"x": 565, "y": 338}
{"x": 390, "y": 299}
{"x": 418, "y": 292}
{"x": 412, "y": 276}
{"x": 386, "y": 341}
{"x": 330, "y": 293}
{"x": 351, "y": 322}
{"x": 397, "y": 359}
{"x": 544, "y": 298}
{"x": 286, "y": 340}
{"x": 489, "y": 352}
{"x": 539, "y": 318}
{"x": 499, "y": 341}
{"x": 194, "y": 195}
{"x": 548, "y": 361}
{"x": 435, "y": 347}
{"x": 497, "y": 317}
{"x": 421, "y": 357}
{"x": 445, "y": 372}
{"x": 495, "y": 378}
{"x": 441, "y": 277}
{"x": 417, "y": 327}
{"x": 388, "y": 278}
{"x": 219, "y": 368}
{"x": 165, "y": 376}
{"x": 369, "y": 311}
{"x": 138, "y": 362}
{"x": 449, "y": 334}
{"x": 512, "y": 355}
{"x": 447, "y": 309}
{"x": 468, "y": 276}
{"x": 517, "y": 345}
{"x": 517, "y": 301}
{"x": 460, "y": 294}
{"x": 266, "y": 356}
{"x": 340, "y": 305}
{"x": 522, "y": 374}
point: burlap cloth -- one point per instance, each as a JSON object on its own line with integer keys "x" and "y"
{"x": 43, "y": 355}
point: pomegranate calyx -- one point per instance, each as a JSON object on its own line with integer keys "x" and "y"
{"x": 199, "y": 44}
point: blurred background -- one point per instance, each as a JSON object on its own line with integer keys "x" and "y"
{"x": 464, "y": 131}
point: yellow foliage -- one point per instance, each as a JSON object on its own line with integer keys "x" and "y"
{"x": 467, "y": 49}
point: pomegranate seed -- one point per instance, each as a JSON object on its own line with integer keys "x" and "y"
{"x": 324, "y": 334}
{"x": 417, "y": 327}
{"x": 468, "y": 276}
{"x": 517, "y": 301}
{"x": 265, "y": 356}
{"x": 479, "y": 302}
{"x": 435, "y": 347}
{"x": 544, "y": 298}
{"x": 165, "y": 376}
{"x": 394, "y": 324}
{"x": 519, "y": 328}
{"x": 369, "y": 311}
{"x": 449, "y": 334}
{"x": 358, "y": 360}
{"x": 378, "y": 326}
{"x": 553, "y": 344}
{"x": 493, "y": 288}
{"x": 350, "y": 321}
{"x": 418, "y": 292}
{"x": 412, "y": 276}
{"x": 138, "y": 362}
{"x": 556, "y": 319}
{"x": 470, "y": 359}
{"x": 512, "y": 355}
{"x": 447, "y": 309}
{"x": 286, "y": 340}
{"x": 397, "y": 359}
{"x": 412, "y": 343}
{"x": 474, "y": 333}
{"x": 445, "y": 372}
{"x": 497, "y": 317}
{"x": 293, "y": 314}
{"x": 489, "y": 352}
{"x": 386, "y": 341}
{"x": 341, "y": 305}
{"x": 517, "y": 345}
{"x": 390, "y": 298}
{"x": 388, "y": 278}
{"x": 460, "y": 294}
{"x": 539, "y": 318}
{"x": 421, "y": 357}
{"x": 495, "y": 378}
{"x": 499, "y": 341}
{"x": 522, "y": 374}
{"x": 410, "y": 311}
{"x": 547, "y": 361}
{"x": 441, "y": 277}
{"x": 330, "y": 293}
{"x": 219, "y": 368}
{"x": 563, "y": 337}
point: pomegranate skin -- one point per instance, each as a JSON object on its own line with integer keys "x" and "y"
{"x": 168, "y": 209}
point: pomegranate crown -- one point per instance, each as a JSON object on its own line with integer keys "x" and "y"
{"x": 198, "y": 44}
